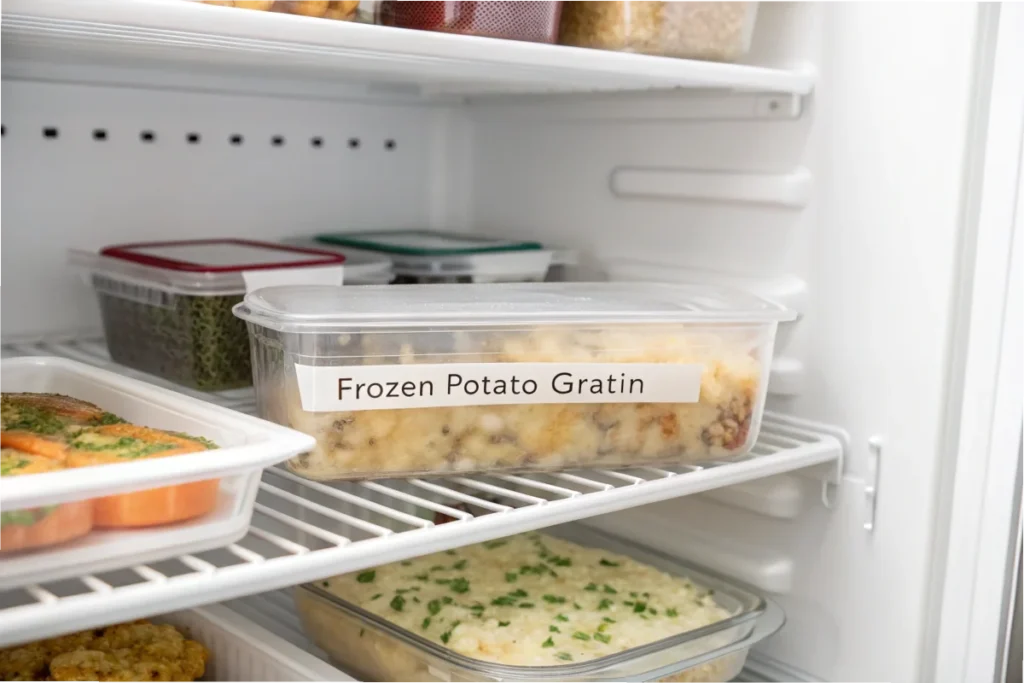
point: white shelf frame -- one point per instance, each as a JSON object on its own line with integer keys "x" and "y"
{"x": 304, "y": 530}
{"x": 436, "y": 64}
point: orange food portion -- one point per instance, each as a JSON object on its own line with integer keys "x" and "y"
{"x": 66, "y": 406}
{"x": 163, "y": 505}
{"x": 126, "y": 442}
{"x": 34, "y": 444}
{"x": 64, "y": 523}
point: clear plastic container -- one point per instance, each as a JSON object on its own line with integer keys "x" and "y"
{"x": 79, "y": 495}
{"x": 362, "y": 267}
{"x": 435, "y": 379}
{"x": 342, "y": 10}
{"x": 714, "y": 31}
{"x": 432, "y": 257}
{"x": 531, "y": 21}
{"x": 166, "y": 306}
{"x": 705, "y": 648}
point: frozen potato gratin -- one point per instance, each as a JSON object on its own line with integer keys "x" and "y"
{"x": 530, "y": 601}
{"x": 136, "y": 651}
{"x": 543, "y": 436}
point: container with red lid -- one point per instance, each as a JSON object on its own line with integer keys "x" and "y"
{"x": 166, "y": 306}
{"x": 532, "y": 21}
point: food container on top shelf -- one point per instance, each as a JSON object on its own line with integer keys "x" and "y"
{"x": 716, "y": 31}
{"x": 362, "y": 267}
{"x": 166, "y": 306}
{"x": 562, "y": 605}
{"x": 100, "y": 471}
{"x": 435, "y": 379}
{"x": 430, "y": 256}
{"x": 343, "y": 10}
{"x": 531, "y": 21}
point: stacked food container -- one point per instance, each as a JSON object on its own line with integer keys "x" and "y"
{"x": 472, "y": 363}
{"x": 717, "y": 31}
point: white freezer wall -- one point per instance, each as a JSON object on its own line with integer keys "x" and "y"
{"x": 876, "y": 242}
{"x": 859, "y": 197}
{"x": 299, "y": 166}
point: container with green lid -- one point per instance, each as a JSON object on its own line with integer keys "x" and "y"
{"x": 166, "y": 306}
{"x": 428, "y": 256}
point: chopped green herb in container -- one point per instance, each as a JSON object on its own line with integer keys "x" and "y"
{"x": 479, "y": 626}
{"x": 166, "y": 306}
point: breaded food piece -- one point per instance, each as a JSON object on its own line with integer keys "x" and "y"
{"x": 138, "y": 651}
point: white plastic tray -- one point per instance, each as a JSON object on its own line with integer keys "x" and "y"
{"x": 244, "y": 651}
{"x": 248, "y": 445}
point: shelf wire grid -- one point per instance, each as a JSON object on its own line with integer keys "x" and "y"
{"x": 304, "y": 530}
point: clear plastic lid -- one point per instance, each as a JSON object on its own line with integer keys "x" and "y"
{"x": 431, "y": 253}
{"x": 362, "y": 267}
{"x": 323, "y": 309}
{"x": 205, "y": 267}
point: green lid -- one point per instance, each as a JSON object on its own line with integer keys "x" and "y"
{"x": 424, "y": 242}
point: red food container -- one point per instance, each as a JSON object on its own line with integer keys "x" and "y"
{"x": 533, "y": 21}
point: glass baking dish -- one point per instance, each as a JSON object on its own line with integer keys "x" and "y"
{"x": 432, "y": 379}
{"x": 370, "y": 647}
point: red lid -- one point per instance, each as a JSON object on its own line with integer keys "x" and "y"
{"x": 221, "y": 255}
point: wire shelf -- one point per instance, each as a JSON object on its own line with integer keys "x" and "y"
{"x": 304, "y": 530}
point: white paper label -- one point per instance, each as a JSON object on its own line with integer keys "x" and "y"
{"x": 274, "y": 277}
{"x": 385, "y": 387}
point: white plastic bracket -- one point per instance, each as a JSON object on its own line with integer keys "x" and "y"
{"x": 871, "y": 481}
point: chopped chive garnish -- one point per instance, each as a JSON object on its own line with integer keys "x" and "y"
{"x": 590, "y": 587}
{"x": 628, "y": 603}
{"x": 560, "y": 561}
{"x": 608, "y": 620}
{"x": 461, "y": 564}
{"x": 450, "y": 552}
{"x": 448, "y": 634}
{"x": 421, "y": 577}
{"x": 671, "y": 611}
{"x": 459, "y": 585}
{"x": 525, "y": 605}
{"x": 503, "y": 600}
{"x": 511, "y": 577}
{"x": 491, "y": 545}
{"x": 376, "y": 596}
{"x": 604, "y": 604}
{"x": 608, "y": 563}
{"x": 447, "y": 600}
{"x": 561, "y": 617}
{"x": 554, "y": 629}
{"x": 519, "y": 593}
{"x": 326, "y": 584}
{"x": 576, "y": 605}
{"x": 640, "y": 607}
{"x": 564, "y": 656}
{"x": 652, "y": 611}
{"x": 434, "y": 606}
{"x": 601, "y": 628}
{"x": 503, "y": 624}
{"x": 426, "y": 623}
{"x": 603, "y": 637}
{"x": 634, "y": 594}
{"x": 548, "y": 643}
{"x": 554, "y": 599}
{"x": 436, "y": 568}
{"x": 580, "y": 635}
{"x": 361, "y": 632}
{"x": 397, "y": 603}
{"x": 442, "y": 582}
{"x": 608, "y": 589}
{"x": 415, "y": 599}
{"x": 406, "y": 563}
{"x": 367, "y": 577}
